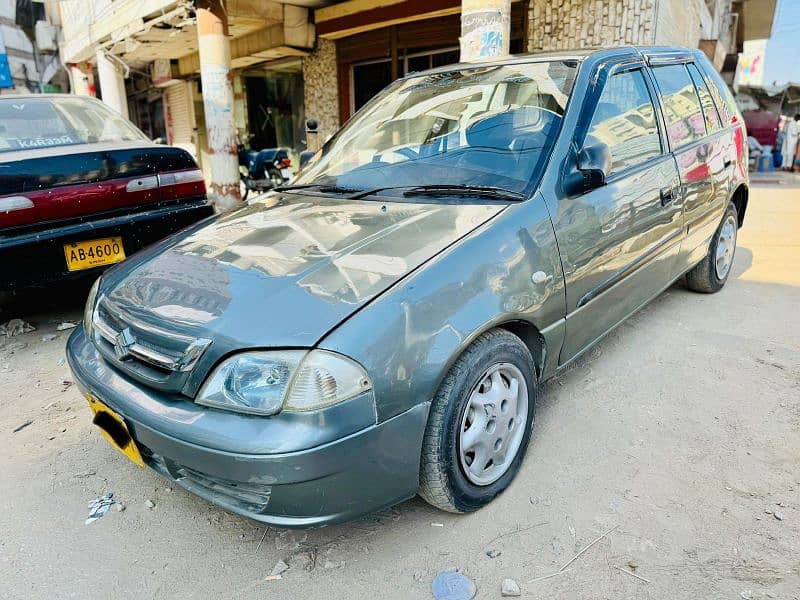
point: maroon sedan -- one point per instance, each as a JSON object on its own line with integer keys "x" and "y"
{"x": 81, "y": 188}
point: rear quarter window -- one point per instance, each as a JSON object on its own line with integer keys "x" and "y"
{"x": 723, "y": 97}
{"x": 682, "y": 110}
{"x": 709, "y": 107}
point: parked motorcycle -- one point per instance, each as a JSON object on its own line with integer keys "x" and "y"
{"x": 262, "y": 170}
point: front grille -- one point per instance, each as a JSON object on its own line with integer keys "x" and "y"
{"x": 147, "y": 352}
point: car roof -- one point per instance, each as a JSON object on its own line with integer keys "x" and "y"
{"x": 578, "y": 54}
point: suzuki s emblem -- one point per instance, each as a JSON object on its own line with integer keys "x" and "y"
{"x": 123, "y": 343}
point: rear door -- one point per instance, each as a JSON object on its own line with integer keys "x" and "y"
{"x": 618, "y": 242}
{"x": 696, "y": 140}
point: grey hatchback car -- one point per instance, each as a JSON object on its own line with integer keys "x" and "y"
{"x": 380, "y": 327}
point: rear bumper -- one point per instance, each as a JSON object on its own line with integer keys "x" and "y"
{"x": 336, "y": 481}
{"x": 37, "y": 257}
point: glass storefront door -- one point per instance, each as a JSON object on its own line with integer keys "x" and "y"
{"x": 275, "y": 107}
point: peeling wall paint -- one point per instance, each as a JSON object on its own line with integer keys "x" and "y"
{"x": 215, "y": 77}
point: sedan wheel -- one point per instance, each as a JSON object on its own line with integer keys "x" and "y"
{"x": 479, "y": 424}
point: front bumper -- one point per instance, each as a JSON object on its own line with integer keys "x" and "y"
{"x": 336, "y": 481}
{"x": 36, "y": 256}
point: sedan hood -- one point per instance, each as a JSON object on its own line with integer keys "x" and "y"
{"x": 284, "y": 272}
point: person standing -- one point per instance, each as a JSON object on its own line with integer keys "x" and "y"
{"x": 789, "y": 147}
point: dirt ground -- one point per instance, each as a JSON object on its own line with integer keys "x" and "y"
{"x": 681, "y": 430}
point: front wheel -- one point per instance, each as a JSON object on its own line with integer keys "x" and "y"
{"x": 479, "y": 424}
{"x": 712, "y": 272}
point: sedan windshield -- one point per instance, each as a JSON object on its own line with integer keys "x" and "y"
{"x": 27, "y": 123}
{"x": 485, "y": 127}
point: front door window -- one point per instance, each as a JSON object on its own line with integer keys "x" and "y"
{"x": 625, "y": 121}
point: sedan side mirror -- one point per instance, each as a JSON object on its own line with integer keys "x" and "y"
{"x": 594, "y": 162}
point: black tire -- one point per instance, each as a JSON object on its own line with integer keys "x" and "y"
{"x": 244, "y": 189}
{"x": 703, "y": 277}
{"x": 443, "y": 482}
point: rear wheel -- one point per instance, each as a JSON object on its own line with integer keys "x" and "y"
{"x": 712, "y": 272}
{"x": 479, "y": 424}
{"x": 275, "y": 177}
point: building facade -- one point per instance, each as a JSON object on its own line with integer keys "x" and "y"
{"x": 373, "y": 42}
{"x": 143, "y": 58}
{"x": 29, "y": 61}
{"x": 269, "y": 65}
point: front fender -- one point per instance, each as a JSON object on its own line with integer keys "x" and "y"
{"x": 408, "y": 337}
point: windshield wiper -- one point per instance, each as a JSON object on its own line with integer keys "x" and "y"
{"x": 325, "y": 189}
{"x": 464, "y": 190}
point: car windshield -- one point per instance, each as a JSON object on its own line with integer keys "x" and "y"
{"x": 489, "y": 126}
{"x": 27, "y": 123}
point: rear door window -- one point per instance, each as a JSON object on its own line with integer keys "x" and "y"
{"x": 625, "y": 120}
{"x": 709, "y": 110}
{"x": 682, "y": 110}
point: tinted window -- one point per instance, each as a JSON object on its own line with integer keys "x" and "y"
{"x": 685, "y": 121}
{"x": 625, "y": 120}
{"x": 28, "y": 123}
{"x": 709, "y": 110}
{"x": 723, "y": 97}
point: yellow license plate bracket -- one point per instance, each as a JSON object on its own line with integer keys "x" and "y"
{"x": 94, "y": 253}
{"x": 114, "y": 429}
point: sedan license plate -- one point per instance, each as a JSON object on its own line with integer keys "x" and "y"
{"x": 94, "y": 253}
{"x": 113, "y": 428}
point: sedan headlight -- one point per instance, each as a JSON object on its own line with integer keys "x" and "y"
{"x": 88, "y": 311}
{"x": 264, "y": 383}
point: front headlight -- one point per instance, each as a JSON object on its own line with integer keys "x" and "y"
{"x": 88, "y": 311}
{"x": 263, "y": 383}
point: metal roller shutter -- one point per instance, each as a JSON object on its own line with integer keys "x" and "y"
{"x": 180, "y": 116}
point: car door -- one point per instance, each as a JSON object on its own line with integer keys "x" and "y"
{"x": 618, "y": 241}
{"x": 696, "y": 140}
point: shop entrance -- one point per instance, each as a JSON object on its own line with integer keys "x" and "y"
{"x": 275, "y": 111}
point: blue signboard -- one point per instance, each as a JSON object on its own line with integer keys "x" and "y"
{"x": 5, "y": 73}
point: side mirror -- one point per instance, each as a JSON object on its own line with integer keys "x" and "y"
{"x": 594, "y": 162}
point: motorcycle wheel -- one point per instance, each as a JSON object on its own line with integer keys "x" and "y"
{"x": 275, "y": 177}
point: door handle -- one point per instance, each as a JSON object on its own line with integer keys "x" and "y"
{"x": 667, "y": 195}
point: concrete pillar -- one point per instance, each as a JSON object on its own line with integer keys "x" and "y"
{"x": 215, "y": 65}
{"x": 485, "y": 28}
{"x": 112, "y": 83}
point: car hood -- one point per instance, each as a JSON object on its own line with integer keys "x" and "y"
{"x": 285, "y": 271}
